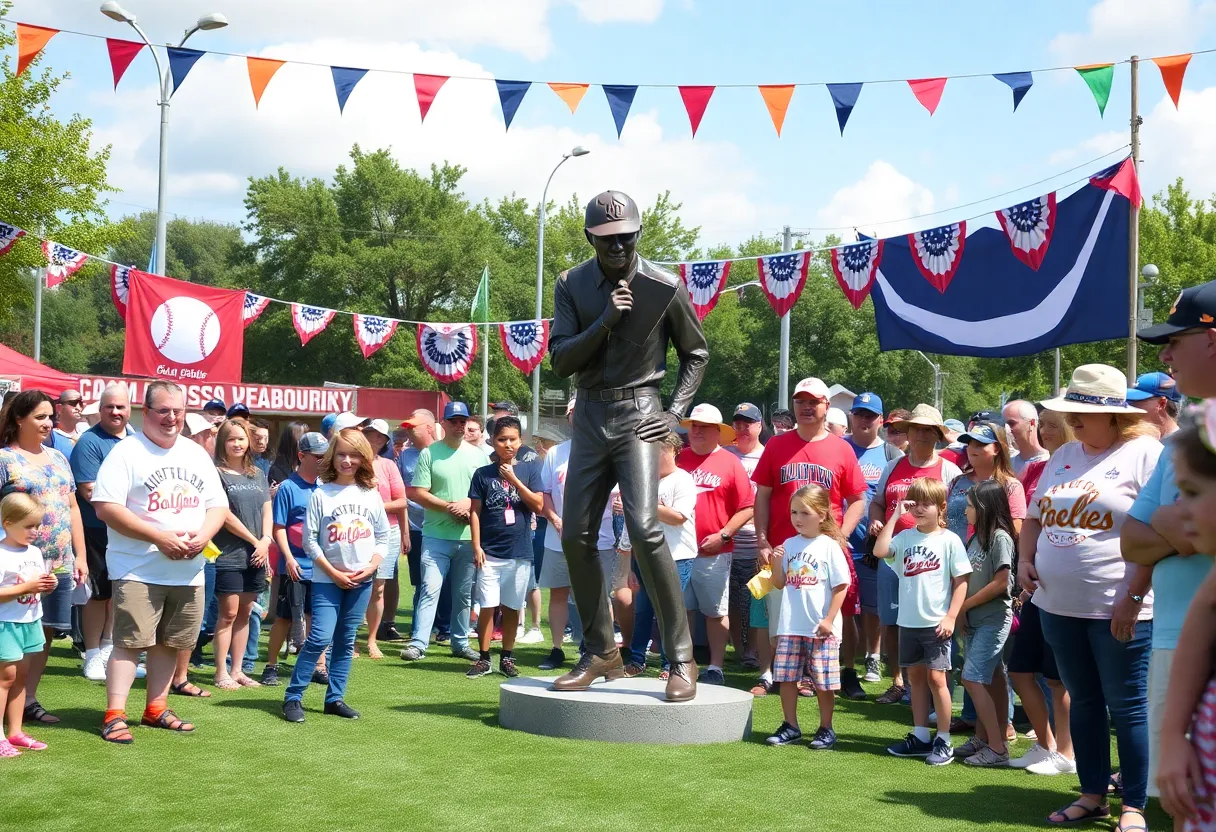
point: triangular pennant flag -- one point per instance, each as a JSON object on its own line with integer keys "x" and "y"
{"x": 481, "y": 299}
{"x": 783, "y": 277}
{"x": 181, "y": 61}
{"x": 572, "y": 94}
{"x": 510, "y": 94}
{"x": 120, "y": 287}
{"x": 620, "y": 99}
{"x": 1121, "y": 179}
{"x": 696, "y": 99}
{"x": 1173, "y": 67}
{"x": 372, "y": 332}
{"x": 9, "y": 235}
{"x": 426, "y": 87}
{"x": 30, "y": 40}
{"x": 1098, "y": 77}
{"x": 309, "y": 321}
{"x": 525, "y": 343}
{"x": 928, "y": 92}
{"x": 705, "y": 281}
{"x": 1019, "y": 82}
{"x": 261, "y": 70}
{"x": 844, "y": 99}
{"x": 254, "y": 306}
{"x": 777, "y": 99}
{"x": 345, "y": 78}
{"x": 855, "y": 266}
{"x": 122, "y": 52}
{"x": 61, "y": 262}
{"x": 447, "y": 350}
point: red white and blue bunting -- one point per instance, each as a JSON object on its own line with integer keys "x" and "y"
{"x": 854, "y": 267}
{"x": 310, "y": 321}
{"x": 9, "y": 235}
{"x": 1028, "y": 225}
{"x": 782, "y": 277}
{"x": 61, "y": 262}
{"x": 447, "y": 350}
{"x": 525, "y": 343}
{"x": 705, "y": 280}
{"x": 939, "y": 251}
{"x": 120, "y": 287}
{"x": 254, "y": 306}
{"x": 372, "y": 332}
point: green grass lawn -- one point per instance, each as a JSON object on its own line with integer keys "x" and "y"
{"x": 428, "y": 754}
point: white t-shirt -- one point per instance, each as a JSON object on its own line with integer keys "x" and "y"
{"x": 171, "y": 488}
{"x": 553, "y": 482}
{"x": 813, "y": 568}
{"x": 345, "y": 525}
{"x": 17, "y": 566}
{"x": 678, "y": 492}
{"x": 745, "y": 538}
{"x": 927, "y": 565}
{"x": 1082, "y": 503}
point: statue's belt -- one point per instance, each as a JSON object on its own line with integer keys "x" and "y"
{"x": 617, "y": 394}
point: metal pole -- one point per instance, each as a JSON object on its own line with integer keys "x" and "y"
{"x": 485, "y": 373}
{"x": 540, "y": 287}
{"x": 1055, "y": 381}
{"x": 39, "y": 279}
{"x": 783, "y": 357}
{"x": 1133, "y": 228}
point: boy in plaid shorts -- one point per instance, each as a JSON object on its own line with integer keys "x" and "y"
{"x": 813, "y": 577}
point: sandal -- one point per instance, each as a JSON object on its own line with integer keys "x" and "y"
{"x": 169, "y": 721}
{"x": 1090, "y": 813}
{"x": 1115, "y": 785}
{"x": 373, "y": 652}
{"x": 34, "y": 712}
{"x": 26, "y": 742}
{"x": 227, "y": 684}
{"x": 805, "y": 689}
{"x": 1119, "y": 827}
{"x": 245, "y": 682}
{"x": 117, "y": 731}
{"x": 187, "y": 689}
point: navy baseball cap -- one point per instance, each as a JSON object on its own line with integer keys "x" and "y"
{"x": 1153, "y": 385}
{"x": 982, "y": 432}
{"x": 1194, "y": 308}
{"x": 868, "y": 402}
{"x": 313, "y": 443}
{"x": 748, "y": 411}
{"x": 238, "y": 409}
{"x": 216, "y": 404}
{"x": 455, "y": 410}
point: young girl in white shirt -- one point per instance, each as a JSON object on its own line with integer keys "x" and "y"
{"x": 23, "y": 577}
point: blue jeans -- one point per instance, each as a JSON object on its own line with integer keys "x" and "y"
{"x": 441, "y": 558}
{"x": 1103, "y": 675}
{"x": 443, "y": 613}
{"x": 643, "y": 613}
{"x": 336, "y": 615}
{"x": 211, "y": 608}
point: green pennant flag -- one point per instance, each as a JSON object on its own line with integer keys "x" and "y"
{"x": 1099, "y": 78}
{"x": 481, "y": 300}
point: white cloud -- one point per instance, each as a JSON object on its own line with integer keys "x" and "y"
{"x": 882, "y": 195}
{"x": 1121, "y": 28}
{"x": 625, "y": 11}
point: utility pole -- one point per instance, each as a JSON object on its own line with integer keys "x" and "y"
{"x": 1133, "y": 229}
{"x": 783, "y": 359}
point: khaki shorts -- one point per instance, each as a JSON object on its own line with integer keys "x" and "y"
{"x": 149, "y": 615}
{"x": 1159, "y": 664}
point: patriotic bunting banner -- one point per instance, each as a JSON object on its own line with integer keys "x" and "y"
{"x": 525, "y": 343}
{"x": 510, "y": 94}
{"x": 122, "y": 52}
{"x": 620, "y": 99}
{"x": 447, "y": 350}
{"x": 309, "y": 321}
{"x": 855, "y": 267}
{"x": 705, "y": 281}
{"x": 782, "y": 277}
{"x": 939, "y": 251}
{"x": 372, "y": 332}
{"x": 120, "y": 287}
{"x": 1028, "y": 226}
{"x": 426, "y": 87}
{"x": 9, "y": 235}
{"x": 696, "y": 99}
{"x": 253, "y": 308}
{"x": 61, "y": 262}
{"x": 181, "y": 61}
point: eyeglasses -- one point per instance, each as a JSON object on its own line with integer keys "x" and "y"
{"x": 176, "y": 412}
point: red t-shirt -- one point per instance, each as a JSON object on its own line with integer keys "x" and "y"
{"x": 1031, "y": 475}
{"x": 723, "y": 489}
{"x": 790, "y": 462}
{"x": 902, "y": 476}
{"x": 956, "y": 455}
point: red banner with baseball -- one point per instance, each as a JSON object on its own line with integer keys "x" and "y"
{"x": 182, "y": 331}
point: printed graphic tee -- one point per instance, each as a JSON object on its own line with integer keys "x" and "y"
{"x": 504, "y": 522}
{"x": 813, "y": 567}
{"x": 790, "y": 462}
{"x": 19, "y": 565}
{"x": 723, "y": 490}
{"x": 927, "y": 565}
{"x": 346, "y": 525}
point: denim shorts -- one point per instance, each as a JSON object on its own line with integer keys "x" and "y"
{"x": 57, "y": 604}
{"x": 984, "y": 646}
{"x": 888, "y": 595}
{"x": 867, "y": 586}
{"x": 388, "y": 567}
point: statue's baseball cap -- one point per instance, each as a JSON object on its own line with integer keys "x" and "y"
{"x": 1195, "y": 308}
{"x": 612, "y": 212}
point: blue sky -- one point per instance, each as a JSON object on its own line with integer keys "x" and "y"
{"x": 735, "y": 179}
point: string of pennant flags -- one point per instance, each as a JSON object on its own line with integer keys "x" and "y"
{"x": 1099, "y": 78}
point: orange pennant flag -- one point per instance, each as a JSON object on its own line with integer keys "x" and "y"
{"x": 777, "y": 99}
{"x": 30, "y": 40}
{"x": 261, "y": 70}
{"x": 572, "y": 94}
{"x": 1173, "y": 67}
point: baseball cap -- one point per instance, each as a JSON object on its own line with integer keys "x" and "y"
{"x": 216, "y": 404}
{"x": 507, "y": 405}
{"x": 868, "y": 402}
{"x": 749, "y": 412}
{"x": 346, "y": 419}
{"x": 238, "y": 409}
{"x": 836, "y": 417}
{"x": 1152, "y": 385}
{"x": 455, "y": 410}
{"x": 1194, "y": 308}
{"x": 378, "y": 425}
{"x": 955, "y": 426}
{"x": 612, "y": 212}
{"x": 327, "y": 423}
{"x": 197, "y": 423}
{"x": 313, "y": 443}
{"x": 707, "y": 414}
{"x": 983, "y": 416}
{"x": 812, "y": 387}
{"x": 548, "y": 434}
{"x": 980, "y": 433}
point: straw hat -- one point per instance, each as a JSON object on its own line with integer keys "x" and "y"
{"x": 923, "y": 414}
{"x": 1094, "y": 388}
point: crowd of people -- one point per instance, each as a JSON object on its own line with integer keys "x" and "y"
{"x": 1050, "y": 553}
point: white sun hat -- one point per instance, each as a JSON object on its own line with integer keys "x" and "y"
{"x": 707, "y": 414}
{"x": 1094, "y": 388}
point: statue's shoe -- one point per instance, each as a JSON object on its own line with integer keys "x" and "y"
{"x": 682, "y": 682}
{"x": 591, "y": 668}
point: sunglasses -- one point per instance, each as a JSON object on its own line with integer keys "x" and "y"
{"x": 619, "y": 239}
{"x": 73, "y": 402}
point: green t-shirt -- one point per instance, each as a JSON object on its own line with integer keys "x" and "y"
{"x": 446, "y": 473}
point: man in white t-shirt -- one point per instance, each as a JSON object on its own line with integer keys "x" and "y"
{"x": 161, "y": 498}
{"x": 1022, "y": 419}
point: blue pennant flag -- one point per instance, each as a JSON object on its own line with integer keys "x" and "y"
{"x": 345, "y": 79}
{"x": 510, "y": 94}
{"x": 844, "y": 99}
{"x": 620, "y": 99}
{"x": 181, "y": 61}
{"x": 1019, "y": 82}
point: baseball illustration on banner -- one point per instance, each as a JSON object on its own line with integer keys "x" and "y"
{"x": 185, "y": 330}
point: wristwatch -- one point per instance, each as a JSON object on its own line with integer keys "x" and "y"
{"x": 726, "y": 538}
{"x": 1139, "y": 599}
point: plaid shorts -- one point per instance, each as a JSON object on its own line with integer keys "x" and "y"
{"x": 816, "y": 660}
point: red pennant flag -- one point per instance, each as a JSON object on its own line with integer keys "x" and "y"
{"x": 182, "y": 331}
{"x": 696, "y": 99}
{"x": 427, "y": 87}
{"x": 122, "y": 52}
{"x": 30, "y": 40}
{"x": 1173, "y": 67}
{"x": 928, "y": 92}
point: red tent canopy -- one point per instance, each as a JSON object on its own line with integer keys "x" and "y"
{"x": 34, "y": 376}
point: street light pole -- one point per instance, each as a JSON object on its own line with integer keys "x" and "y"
{"x": 540, "y": 278}
{"x": 938, "y": 378}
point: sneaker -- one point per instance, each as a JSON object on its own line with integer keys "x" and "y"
{"x": 412, "y": 654}
{"x": 894, "y": 694}
{"x": 786, "y": 735}
{"x": 293, "y": 711}
{"x": 942, "y": 754}
{"x": 911, "y": 746}
{"x": 94, "y": 667}
{"x": 481, "y": 667}
{"x": 270, "y": 676}
{"x": 1057, "y": 763}
{"x": 824, "y": 740}
{"x": 390, "y": 634}
{"x": 506, "y": 666}
{"x": 873, "y": 670}
{"x": 1035, "y": 754}
{"x": 555, "y": 659}
{"x": 850, "y": 686}
{"x": 443, "y": 638}
{"x": 762, "y": 688}
{"x": 141, "y": 671}
{"x": 749, "y": 662}
{"x": 320, "y": 677}
{"x": 466, "y": 653}
{"x": 973, "y": 745}
{"x": 634, "y": 669}
{"x": 712, "y": 676}
{"x": 340, "y": 708}
{"x": 987, "y": 758}
{"x": 532, "y": 636}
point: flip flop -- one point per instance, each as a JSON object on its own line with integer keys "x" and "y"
{"x": 187, "y": 689}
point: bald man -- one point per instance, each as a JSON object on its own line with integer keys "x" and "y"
{"x": 1022, "y": 419}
